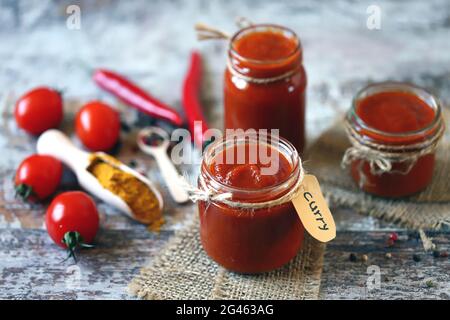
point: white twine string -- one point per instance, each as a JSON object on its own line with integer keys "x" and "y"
{"x": 381, "y": 157}
{"x": 207, "y": 194}
{"x": 243, "y": 22}
{"x": 239, "y": 75}
{"x": 205, "y": 32}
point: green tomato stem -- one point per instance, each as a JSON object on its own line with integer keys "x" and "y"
{"x": 73, "y": 240}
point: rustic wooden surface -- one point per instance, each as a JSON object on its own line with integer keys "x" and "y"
{"x": 149, "y": 41}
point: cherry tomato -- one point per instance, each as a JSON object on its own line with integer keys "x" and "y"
{"x": 38, "y": 177}
{"x": 72, "y": 220}
{"x": 39, "y": 110}
{"x": 98, "y": 126}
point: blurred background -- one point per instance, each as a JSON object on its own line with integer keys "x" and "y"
{"x": 150, "y": 41}
{"x": 346, "y": 44}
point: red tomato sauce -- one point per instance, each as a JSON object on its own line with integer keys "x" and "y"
{"x": 397, "y": 116}
{"x": 265, "y": 45}
{"x": 395, "y": 112}
{"x": 279, "y": 104}
{"x": 250, "y": 241}
{"x": 248, "y": 175}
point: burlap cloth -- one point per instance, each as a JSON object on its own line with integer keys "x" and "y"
{"x": 183, "y": 271}
{"x": 429, "y": 209}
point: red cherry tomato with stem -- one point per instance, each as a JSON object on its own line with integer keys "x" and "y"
{"x": 72, "y": 221}
{"x": 39, "y": 110}
{"x": 98, "y": 126}
{"x": 37, "y": 177}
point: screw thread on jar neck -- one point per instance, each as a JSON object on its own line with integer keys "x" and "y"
{"x": 410, "y": 137}
{"x": 280, "y": 145}
{"x": 263, "y": 68}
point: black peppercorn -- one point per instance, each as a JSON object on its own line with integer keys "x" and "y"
{"x": 353, "y": 257}
{"x": 440, "y": 254}
{"x": 416, "y": 258}
{"x": 132, "y": 163}
{"x": 125, "y": 127}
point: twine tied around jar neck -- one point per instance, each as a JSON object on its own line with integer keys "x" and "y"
{"x": 259, "y": 80}
{"x": 205, "y": 32}
{"x": 381, "y": 157}
{"x": 207, "y": 194}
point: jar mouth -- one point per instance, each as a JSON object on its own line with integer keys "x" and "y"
{"x": 259, "y": 27}
{"x": 394, "y": 86}
{"x": 282, "y": 146}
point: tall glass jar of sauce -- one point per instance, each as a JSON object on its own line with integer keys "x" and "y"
{"x": 242, "y": 239}
{"x": 265, "y": 82}
{"x": 401, "y": 123}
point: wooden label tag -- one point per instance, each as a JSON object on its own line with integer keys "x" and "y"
{"x": 313, "y": 210}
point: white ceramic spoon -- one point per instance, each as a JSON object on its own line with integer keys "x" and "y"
{"x": 57, "y": 144}
{"x": 168, "y": 170}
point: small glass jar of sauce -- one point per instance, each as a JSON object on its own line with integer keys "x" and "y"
{"x": 250, "y": 240}
{"x": 394, "y": 129}
{"x": 265, "y": 82}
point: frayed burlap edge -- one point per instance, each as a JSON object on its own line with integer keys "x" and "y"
{"x": 183, "y": 271}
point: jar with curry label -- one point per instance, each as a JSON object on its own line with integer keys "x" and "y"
{"x": 257, "y": 229}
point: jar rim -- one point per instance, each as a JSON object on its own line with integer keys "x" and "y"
{"x": 294, "y": 160}
{"x": 252, "y": 28}
{"x": 396, "y": 86}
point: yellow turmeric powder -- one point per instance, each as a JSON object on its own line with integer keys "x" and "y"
{"x": 137, "y": 195}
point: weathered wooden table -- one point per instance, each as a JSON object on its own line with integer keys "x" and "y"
{"x": 150, "y": 42}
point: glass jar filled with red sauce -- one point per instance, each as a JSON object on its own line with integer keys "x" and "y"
{"x": 405, "y": 123}
{"x": 265, "y": 82}
{"x": 249, "y": 240}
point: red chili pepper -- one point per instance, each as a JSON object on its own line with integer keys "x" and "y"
{"x": 135, "y": 96}
{"x": 191, "y": 102}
